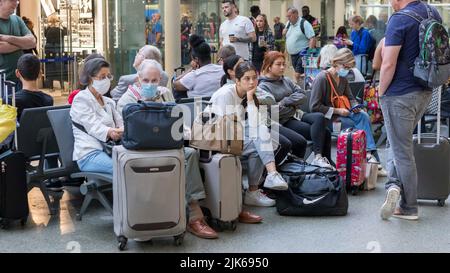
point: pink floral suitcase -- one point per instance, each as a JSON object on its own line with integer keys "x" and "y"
{"x": 351, "y": 155}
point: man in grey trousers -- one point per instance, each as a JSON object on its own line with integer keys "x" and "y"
{"x": 403, "y": 102}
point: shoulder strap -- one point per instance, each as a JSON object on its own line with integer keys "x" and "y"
{"x": 411, "y": 14}
{"x": 79, "y": 127}
{"x": 430, "y": 13}
{"x": 333, "y": 89}
{"x": 135, "y": 93}
{"x": 302, "y": 26}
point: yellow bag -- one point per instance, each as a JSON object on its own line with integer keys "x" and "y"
{"x": 8, "y": 118}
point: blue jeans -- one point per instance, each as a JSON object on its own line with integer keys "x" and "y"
{"x": 360, "y": 121}
{"x": 96, "y": 162}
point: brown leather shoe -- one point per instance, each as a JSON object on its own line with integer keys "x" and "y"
{"x": 249, "y": 218}
{"x": 201, "y": 229}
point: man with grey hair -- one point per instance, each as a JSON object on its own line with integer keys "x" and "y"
{"x": 147, "y": 52}
{"x": 147, "y": 86}
{"x": 225, "y": 52}
{"x": 299, "y": 36}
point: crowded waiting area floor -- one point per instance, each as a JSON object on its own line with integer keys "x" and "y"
{"x": 361, "y": 231}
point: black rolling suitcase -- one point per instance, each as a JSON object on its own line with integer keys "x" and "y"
{"x": 13, "y": 189}
{"x": 13, "y": 182}
{"x": 432, "y": 153}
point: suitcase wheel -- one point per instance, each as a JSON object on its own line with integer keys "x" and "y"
{"x": 5, "y": 224}
{"x": 233, "y": 225}
{"x": 354, "y": 191}
{"x": 122, "y": 242}
{"x": 178, "y": 240}
{"x": 23, "y": 221}
{"x": 441, "y": 203}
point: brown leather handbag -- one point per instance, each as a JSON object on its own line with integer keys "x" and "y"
{"x": 336, "y": 100}
{"x": 222, "y": 134}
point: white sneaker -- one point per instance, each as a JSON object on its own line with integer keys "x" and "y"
{"x": 404, "y": 216}
{"x": 258, "y": 199}
{"x": 275, "y": 181}
{"x": 382, "y": 172}
{"x": 388, "y": 208}
{"x": 323, "y": 163}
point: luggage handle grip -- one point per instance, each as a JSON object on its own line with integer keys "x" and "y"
{"x": 438, "y": 121}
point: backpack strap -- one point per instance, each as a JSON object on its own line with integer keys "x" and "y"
{"x": 135, "y": 93}
{"x": 430, "y": 13}
{"x": 302, "y": 26}
{"x": 411, "y": 14}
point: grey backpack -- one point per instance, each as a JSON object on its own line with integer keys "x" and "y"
{"x": 432, "y": 66}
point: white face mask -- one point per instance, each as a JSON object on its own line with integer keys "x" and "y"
{"x": 102, "y": 86}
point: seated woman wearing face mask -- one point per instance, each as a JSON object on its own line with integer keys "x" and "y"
{"x": 333, "y": 83}
{"x": 147, "y": 87}
{"x": 99, "y": 117}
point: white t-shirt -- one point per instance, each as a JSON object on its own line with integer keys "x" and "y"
{"x": 203, "y": 82}
{"x": 241, "y": 27}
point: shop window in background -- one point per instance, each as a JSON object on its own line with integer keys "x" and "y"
{"x": 201, "y": 18}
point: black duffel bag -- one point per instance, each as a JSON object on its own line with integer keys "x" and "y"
{"x": 152, "y": 125}
{"x": 313, "y": 191}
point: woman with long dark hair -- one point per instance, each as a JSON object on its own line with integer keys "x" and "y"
{"x": 265, "y": 41}
{"x": 240, "y": 99}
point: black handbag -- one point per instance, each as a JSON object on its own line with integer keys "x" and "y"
{"x": 152, "y": 125}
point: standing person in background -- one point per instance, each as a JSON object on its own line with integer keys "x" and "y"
{"x": 376, "y": 33}
{"x": 360, "y": 43}
{"x": 264, "y": 41}
{"x": 186, "y": 27}
{"x": 14, "y": 38}
{"x": 213, "y": 27}
{"x": 254, "y": 11}
{"x": 30, "y": 26}
{"x": 54, "y": 50}
{"x": 154, "y": 33}
{"x": 299, "y": 36}
{"x": 311, "y": 19}
{"x": 403, "y": 102}
{"x": 236, "y": 30}
{"x": 278, "y": 27}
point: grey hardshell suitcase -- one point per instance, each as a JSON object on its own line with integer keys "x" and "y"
{"x": 432, "y": 153}
{"x": 222, "y": 176}
{"x": 149, "y": 195}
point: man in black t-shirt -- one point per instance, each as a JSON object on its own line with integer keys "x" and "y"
{"x": 28, "y": 70}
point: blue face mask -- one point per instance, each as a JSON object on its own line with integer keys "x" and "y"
{"x": 149, "y": 90}
{"x": 343, "y": 72}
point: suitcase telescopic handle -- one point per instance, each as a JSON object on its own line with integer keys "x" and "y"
{"x": 438, "y": 135}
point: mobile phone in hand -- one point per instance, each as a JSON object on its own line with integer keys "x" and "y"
{"x": 359, "y": 106}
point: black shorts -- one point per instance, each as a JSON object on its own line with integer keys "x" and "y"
{"x": 297, "y": 63}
